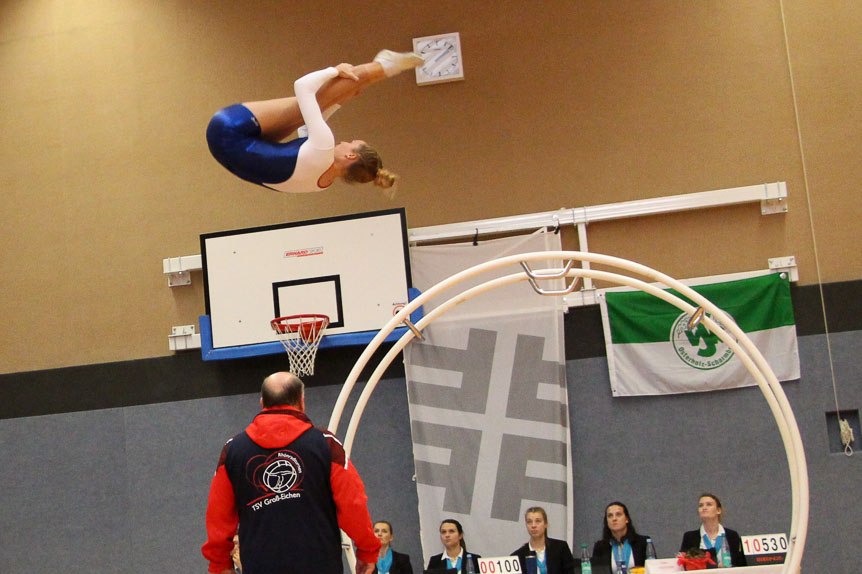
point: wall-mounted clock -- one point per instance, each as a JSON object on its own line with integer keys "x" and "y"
{"x": 442, "y": 55}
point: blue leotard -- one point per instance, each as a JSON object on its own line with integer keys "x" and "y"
{"x": 233, "y": 135}
{"x": 234, "y": 140}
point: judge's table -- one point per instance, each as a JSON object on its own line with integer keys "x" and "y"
{"x": 664, "y": 565}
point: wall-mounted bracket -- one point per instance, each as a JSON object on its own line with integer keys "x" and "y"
{"x": 178, "y": 269}
{"x": 772, "y": 206}
{"x": 184, "y": 337}
{"x": 785, "y": 265}
{"x": 179, "y": 279}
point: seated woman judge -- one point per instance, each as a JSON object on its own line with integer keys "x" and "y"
{"x": 455, "y": 556}
{"x": 620, "y": 543}
{"x": 552, "y": 556}
{"x": 389, "y": 561}
{"x": 712, "y": 533}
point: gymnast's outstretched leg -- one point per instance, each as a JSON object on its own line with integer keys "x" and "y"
{"x": 281, "y": 117}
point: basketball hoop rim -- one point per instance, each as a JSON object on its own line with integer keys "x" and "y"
{"x": 284, "y": 325}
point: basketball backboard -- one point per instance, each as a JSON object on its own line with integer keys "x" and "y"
{"x": 353, "y": 268}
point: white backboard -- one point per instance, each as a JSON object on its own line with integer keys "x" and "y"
{"x": 353, "y": 268}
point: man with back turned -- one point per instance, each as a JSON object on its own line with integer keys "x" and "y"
{"x": 289, "y": 487}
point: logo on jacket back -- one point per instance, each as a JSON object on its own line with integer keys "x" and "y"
{"x": 280, "y": 475}
{"x": 277, "y": 476}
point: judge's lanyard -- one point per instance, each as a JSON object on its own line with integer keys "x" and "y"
{"x": 708, "y": 544}
{"x": 542, "y": 565}
{"x": 622, "y": 552}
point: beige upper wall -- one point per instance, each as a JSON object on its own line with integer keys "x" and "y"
{"x": 105, "y": 170}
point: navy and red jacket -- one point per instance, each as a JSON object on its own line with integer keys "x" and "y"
{"x": 290, "y": 487}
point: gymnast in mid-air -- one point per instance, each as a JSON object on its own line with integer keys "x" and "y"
{"x": 248, "y": 139}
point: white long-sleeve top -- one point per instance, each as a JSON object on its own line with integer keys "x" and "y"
{"x": 316, "y": 154}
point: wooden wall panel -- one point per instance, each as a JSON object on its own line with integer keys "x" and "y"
{"x": 105, "y": 170}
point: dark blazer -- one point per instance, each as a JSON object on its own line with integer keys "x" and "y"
{"x": 400, "y": 564}
{"x": 438, "y": 562}
{"x": 558, "y": 557}
{"x": 691, "y": 539}
{"x": 601, "y": 558}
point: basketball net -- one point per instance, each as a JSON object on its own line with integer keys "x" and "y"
{"x": 300, "y": 335}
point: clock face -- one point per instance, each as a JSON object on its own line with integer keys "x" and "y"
{"x": 442, "y": 56}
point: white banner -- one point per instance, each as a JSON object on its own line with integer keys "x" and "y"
{"x": 488, "y": 404}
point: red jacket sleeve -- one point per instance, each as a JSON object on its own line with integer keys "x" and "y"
{"x": 348, "y": 492}
{"x": 222, "y": 521}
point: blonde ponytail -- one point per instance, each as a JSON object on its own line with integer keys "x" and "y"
{"x": 384, "y": 179}
{"x": 368, "y": 168}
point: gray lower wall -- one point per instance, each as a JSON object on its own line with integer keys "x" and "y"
{"x": 124, "y": 490}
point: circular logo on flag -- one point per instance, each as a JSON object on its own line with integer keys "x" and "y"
{"x": 699, "y": 347}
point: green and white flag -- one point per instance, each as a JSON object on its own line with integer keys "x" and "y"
{"x": 651, "y": 352}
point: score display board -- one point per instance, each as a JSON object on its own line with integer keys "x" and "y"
{"x": 763, "y": 549}
{"x": 502, "y": 565}
{"x": 353, "y": 268}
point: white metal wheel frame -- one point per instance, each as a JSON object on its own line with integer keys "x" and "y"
{"x": 731, "y": 335}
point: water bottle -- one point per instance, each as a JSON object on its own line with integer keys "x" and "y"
{"x": 650, "y": 549}
{"x": 468, "y": 564}
{"x": 586, "y": 568}
{"x": 725, "y": 553}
